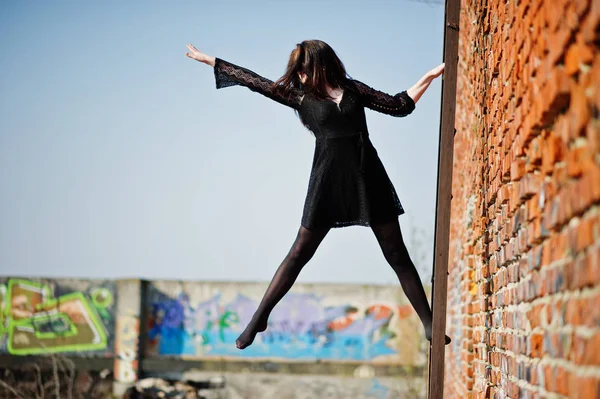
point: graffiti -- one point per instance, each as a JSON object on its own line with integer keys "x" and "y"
{"x": 301, "y": 328}
{"x": 126, "y": 362}
{"x": 33, "y": 321}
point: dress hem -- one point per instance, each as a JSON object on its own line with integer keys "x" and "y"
{"x": 361, "y": 223}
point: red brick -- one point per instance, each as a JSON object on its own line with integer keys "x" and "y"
{"x": 554, "y": 151}
{"x": 573, "y": 164}
{"x": 574, "y": 312}
{"x": 557, "y": 42}
{"x": 589, "y": 187}
{"x": 549, "y": 378}
{"x": 592, "y": 133}
{"x": 576, "y": 273}
{"x": 585, "y": 233}
{"x": 536, "y": 344}
{"x": 593, "y": 264}
{"x": 579, "y": 111}
{"x": 562, "y": 381}
{"x": 586, "y": 350}
{"x": 526, "y": 160}
{"x": 561, "y": 130}
{"x": 534, "y": 156}
{"x": 578, "y": 55}
{"x": 589, "y": 27}
{"x": 552, "y": 16}
{"x": 557, "y": 91}
{"x": 583, "y": 387}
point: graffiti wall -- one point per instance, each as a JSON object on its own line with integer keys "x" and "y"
{"x": 313, "y": 322}
{"x": 127, "y": 332}
{"x": 39, "y": 316}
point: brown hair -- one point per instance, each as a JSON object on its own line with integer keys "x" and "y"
{"x": 320, "y": 63}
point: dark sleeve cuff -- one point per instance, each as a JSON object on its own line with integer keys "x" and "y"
{"x": 222, "y": 79}
{"x": 410, "y": 103}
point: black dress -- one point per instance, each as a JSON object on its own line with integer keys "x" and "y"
{"x": 348, "y": 184}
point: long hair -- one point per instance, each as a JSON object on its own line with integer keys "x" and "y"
{"x": 320, "y": 63}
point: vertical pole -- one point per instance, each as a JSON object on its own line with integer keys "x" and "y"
{"x": 444, "y": 196}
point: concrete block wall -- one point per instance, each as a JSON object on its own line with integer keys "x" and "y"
{"x": 41, "y": 316}
{"x": 95, "y": 323}
{"x": 314, "y": 322}
{"x": 524, "y": 272}
{"x": 123, "y": 329}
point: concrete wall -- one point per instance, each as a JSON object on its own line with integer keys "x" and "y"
{"x": 40, "y": 316}
{"x": 358, "y": 335}
{"x": 127, "y": 334}
{"x": 313, "y": 322}
{"x": 524, "y": 288}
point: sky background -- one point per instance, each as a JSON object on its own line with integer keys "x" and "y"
{"x": 119, "y": 158}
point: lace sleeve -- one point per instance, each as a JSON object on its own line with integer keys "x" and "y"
{"x": 228, "y": 74}
{"x": 400, "y": 104}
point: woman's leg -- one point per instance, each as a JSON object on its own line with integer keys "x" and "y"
{"x": 305, "y": 245}
{"x": 392, "y": 244}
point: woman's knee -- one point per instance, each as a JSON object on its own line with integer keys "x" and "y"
{"x": 305, "y": 246}
{"x": 301, "y": 252}
{"x": 397, "y": 256}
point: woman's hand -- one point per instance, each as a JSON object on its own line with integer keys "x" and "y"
{"x": 419, "y": 88}
{"x": 199, "y": 56}
{"x": 437, "y": 71}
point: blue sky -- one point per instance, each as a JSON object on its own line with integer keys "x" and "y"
{"x": 119, "y": 158}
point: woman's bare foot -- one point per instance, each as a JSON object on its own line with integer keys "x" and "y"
{"x": 247, "y": 336}
{"x": 428, "y": 335}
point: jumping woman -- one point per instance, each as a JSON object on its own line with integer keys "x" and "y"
{"x": 348, "y": 184}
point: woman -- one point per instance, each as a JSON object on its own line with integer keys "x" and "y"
{"x": 348, "y": 183}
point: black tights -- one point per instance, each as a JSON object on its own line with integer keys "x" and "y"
{"x": 307, "y": 241}
{"x": 305, "y": 245}
{"x": 392, "y": 244}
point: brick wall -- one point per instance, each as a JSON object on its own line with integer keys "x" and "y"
{"x": 524, "y": 273}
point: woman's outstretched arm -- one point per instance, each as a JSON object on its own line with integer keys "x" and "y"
{"x": 401, "y": 104}
{"x": 419, "y": 88}
{"x": 228, "y": 74}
